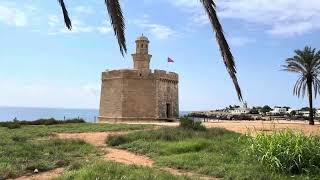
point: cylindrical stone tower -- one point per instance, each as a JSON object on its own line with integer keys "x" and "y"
{"x": 141, "y": 58}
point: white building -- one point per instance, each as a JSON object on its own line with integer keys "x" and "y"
{"x": 278, "y": 111}
{"x": 241, "y": 110}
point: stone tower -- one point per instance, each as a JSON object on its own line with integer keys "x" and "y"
{"x": 139, "y": 94}
{"x": 141, "y": 58}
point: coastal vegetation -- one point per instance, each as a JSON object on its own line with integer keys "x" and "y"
{"x": 26, "y": 149}
{"x": 50, "y": 126}
{"x": 287, "y": 151}
{"x": 17, "y": 124}
{"x": 110, "y": 170}
{"x": 33, "y": 147}
{"x": 221, "y": 153}
{"x": 306, "y": 63}
{"x": 190, "y": 147}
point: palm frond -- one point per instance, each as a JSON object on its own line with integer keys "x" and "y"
{"x": 117, "y": 21}
{"x": 295, "y": 64}
{"x": 228, "y": 59}
{"x": 65, "y": 14}
{"x": 316, "y": 85}
{"x": 300, "y": 86}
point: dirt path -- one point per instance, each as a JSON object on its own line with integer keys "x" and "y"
{"x": 43, "y": 176}
{"x": 179, "y": 172}
{"x": 118, "y": 155}
{"x": 123, "y": 156}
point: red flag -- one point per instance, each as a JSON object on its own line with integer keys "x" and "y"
{"x": 170, "y": 60}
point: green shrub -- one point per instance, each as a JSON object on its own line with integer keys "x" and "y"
{"x": 19, "y": 138}
{"x": 12, "y": 125}
{"x": 116, "y": 140}
{"x": 16, "y": 123}
{"x": 287, "y": 151}
{"x": 187, "y": 123}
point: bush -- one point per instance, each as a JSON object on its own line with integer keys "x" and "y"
{"x": 287, "y": 151}
{"x": 12, "y": 125}
{"x": 187, "y": 123}
{"x": 116, "y": 140}
{"x": 17, "y": 124}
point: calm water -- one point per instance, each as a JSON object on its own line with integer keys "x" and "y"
{"x": 22, "y": 113}
{"x": 9, "y": 113}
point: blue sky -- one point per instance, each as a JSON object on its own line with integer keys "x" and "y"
{"x": 44, "y": 65}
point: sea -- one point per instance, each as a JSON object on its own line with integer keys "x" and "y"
{"x": 31, "y": 113}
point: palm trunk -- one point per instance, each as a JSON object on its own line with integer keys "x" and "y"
{"x": 311, "y": 119}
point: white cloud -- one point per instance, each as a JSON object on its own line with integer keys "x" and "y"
{"x": 281, "y": 17}
{"x": 103, "y": 29}
{"x": 240, "y": 41}
{"x": 13, "y": 16}
{"x": 83, "y": 9}
{"x": 185, "y": 3}
{"x": 158, "y": 30}
{"x": 53, "y": 20}
{"x": 27, "y": 14}
{"x": 81, "y": 27}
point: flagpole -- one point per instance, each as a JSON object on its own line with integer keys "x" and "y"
{"x": 168, "y": 66}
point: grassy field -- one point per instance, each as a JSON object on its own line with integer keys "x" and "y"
{"x": 214, "y": 152}
{"x": 116, "y": 171}
{"x": 33, "y": 147}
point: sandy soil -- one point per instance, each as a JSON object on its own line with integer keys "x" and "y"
{"x": 250, "y": 126}
{"x": 43, "y": 176}
{"x": 253, "y": 126}
{"x": 98, "y": 140}
{"x": 180, "y": 172}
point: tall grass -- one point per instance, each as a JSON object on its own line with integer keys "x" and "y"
{"x": 34, "y": 147}
{"x": 114, "y": 171}
{"x": 187, "y": 123}
{"x": 287, "y": 151}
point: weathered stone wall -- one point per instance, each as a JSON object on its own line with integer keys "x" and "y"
{"x": 167, "y": 93}
{"x": 139, "y": 95}
{"x": 139, "y": 98}
{"x": 111, "y": 95}
{"x": 128, "y": 95}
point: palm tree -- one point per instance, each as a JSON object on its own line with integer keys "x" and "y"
{"x": 306, "y": 63}
{"x": 117, "y": 21}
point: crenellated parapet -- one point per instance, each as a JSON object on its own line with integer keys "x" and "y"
{"x": 166, "y": 76}
{"x": 137, "y": 74}
{"x": 127, "y": 74}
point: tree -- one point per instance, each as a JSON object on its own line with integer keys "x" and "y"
{"x": 293, "y": 113}
{"x": 306, "y": 63}
{"x": 254, "y": 110}
{"x": 117, "y": 22}
{"x": 266, "y": 109}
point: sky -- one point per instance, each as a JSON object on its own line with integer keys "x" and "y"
{"x": 42, "y": 64}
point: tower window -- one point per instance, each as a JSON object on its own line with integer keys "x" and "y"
{"x": 142, "y": 45}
